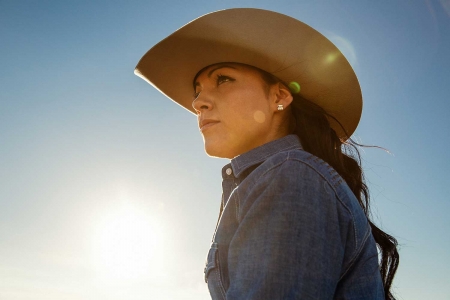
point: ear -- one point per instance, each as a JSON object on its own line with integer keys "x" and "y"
{"x": 281, "y": 96}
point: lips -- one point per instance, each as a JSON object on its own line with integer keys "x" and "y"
{"x": 206, "y": 123}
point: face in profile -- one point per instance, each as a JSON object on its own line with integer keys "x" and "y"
{"x": 234, "y": 111}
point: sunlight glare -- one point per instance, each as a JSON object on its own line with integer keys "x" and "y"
{"x": 128, "y": 245}
{"x": 344, "y": 46}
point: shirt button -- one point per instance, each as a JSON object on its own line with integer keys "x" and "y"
{"x": 229, "y": 171}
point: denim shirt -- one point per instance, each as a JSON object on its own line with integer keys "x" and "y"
{"x": 290, "y": 228}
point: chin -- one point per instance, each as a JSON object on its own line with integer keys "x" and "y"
{"x": 218, "y": 150}
{"x": 217, "y": 153}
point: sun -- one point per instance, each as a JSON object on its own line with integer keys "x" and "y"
{"x": 128, "y": 244}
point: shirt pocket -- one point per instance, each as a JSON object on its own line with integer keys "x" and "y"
{"x": 212, "y": 274}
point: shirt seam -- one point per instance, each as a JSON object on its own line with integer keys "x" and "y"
{"x": 337, "y": 197}
{"x": 237, "y": 205}
{"x": 352, "y": 261}
{"x": 329, "y": 184}
{"x": 246, "y": 165}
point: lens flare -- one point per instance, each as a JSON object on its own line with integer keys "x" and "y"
{"x": 344, "y": 46}
{"x": 259, "y": 116}
{"x": 294, "y": 87}
{"x": 446, "y": 6}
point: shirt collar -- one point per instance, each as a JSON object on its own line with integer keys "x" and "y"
{"x": 255, "y": 156}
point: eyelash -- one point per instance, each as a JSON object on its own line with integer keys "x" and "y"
{"x": 222, "y": 78}
{"x": 219, "y": 80}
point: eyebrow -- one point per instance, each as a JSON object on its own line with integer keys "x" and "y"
{"x": 220, "y": 66}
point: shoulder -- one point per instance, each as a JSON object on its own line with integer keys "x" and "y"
{"x": 290, "y": 174}
{"x": 301, "y": 179}
{"x": 299, "y": 186}
{"x": 297, "y": 165}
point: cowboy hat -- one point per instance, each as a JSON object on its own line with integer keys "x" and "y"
{"x": 273, "y": 42}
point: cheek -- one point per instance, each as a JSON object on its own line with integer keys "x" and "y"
{"x": 255, "y": 116}
{"x": 248, "y": 107}
{"x": 241, "y": 120}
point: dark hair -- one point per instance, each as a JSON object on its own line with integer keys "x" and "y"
{"x": 318, "y": 138}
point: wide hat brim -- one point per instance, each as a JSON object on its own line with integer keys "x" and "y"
{"x": 276, "y": 43}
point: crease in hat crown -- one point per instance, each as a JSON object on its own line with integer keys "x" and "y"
{"x": 273, "y": 42}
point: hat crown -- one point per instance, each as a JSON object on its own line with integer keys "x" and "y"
{"x": 273, "y": 42}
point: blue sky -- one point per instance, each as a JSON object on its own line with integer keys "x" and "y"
{"x": 93, "y": 160}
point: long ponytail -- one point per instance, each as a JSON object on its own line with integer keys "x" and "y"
{"x": 318, "y": 138}
{"x": 311, "y": 125}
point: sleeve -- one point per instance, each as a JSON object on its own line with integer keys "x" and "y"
{"x": 288, "y": 243}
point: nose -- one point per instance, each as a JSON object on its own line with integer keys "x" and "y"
{"x": 201, "y": 103}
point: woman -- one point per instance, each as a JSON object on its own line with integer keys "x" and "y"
{"x": 294, "y": 221}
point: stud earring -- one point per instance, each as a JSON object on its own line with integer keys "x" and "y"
{"x": 280, "y": 107}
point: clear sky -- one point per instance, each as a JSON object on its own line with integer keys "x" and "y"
{"x": 105, "y": 190}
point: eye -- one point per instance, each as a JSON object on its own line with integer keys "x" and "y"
{"x": 222, "y": 78}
